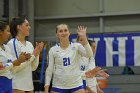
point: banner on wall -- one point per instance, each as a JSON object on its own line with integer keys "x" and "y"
{"x": 119, "y": 49}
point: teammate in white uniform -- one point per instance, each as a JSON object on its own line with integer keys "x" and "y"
{"x": 63, "y": 62}
{"x": 6, "y": 61}
{"x": 87, "y": 64}
{"x": 22, "y": 81}
{"x": 102, "y": 73}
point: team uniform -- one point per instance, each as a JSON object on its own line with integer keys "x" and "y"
{"x": 87, "y": 64}
{"x": 5, "y": 72}
{"x": 64, "y": 66}
{"x": 22, "y": 79}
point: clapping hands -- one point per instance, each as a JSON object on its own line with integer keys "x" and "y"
{"x": 22, "y": 58}
{"x": 38, "y": 48}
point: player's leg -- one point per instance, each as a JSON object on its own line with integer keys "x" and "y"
{"x": 89, "y": 90}
{"x": 57, "y": 90}
{"x": 79, "y": 89}
{"x": 54, "y": 92}
{"x": 99, "y": 90}
{"x": 18, "y": 91}
{"x": 29, "y": 92}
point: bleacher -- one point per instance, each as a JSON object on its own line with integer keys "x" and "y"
{"x": 125, "y": 83}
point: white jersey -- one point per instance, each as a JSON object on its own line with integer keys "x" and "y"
{"x": 6, "y": 59}
{"x": 64, "y": 66}
{"x": 87, "y": 64}
{"x": 23, "y": 74}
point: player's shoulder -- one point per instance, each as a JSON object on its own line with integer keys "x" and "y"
{"x": 10, "y": 41}
{"x": 55, "y": 47}
{"x": 75, "y": 44}
{"x": 7, "y": 48}
{"x": 72, "y": 44}
{"x": 29, "y": 43}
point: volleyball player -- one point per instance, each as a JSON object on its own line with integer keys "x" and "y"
{"x": 63, "y": 62}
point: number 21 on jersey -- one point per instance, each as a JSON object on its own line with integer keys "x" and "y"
{"x": 66, "y": 61}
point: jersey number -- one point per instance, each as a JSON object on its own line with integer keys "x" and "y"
{"x": 82, "y": 68}
{"x": 66, "y": 61}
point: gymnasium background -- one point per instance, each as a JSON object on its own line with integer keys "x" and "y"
{"x": 113, "y": 24}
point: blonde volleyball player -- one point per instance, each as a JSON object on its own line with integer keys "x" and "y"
{"x": 63, "y": 62}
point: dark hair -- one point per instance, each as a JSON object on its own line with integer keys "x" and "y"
{"x": 91, "y": 41}
{"x": 3, "y": 25}
{"x": 14, "y": 23}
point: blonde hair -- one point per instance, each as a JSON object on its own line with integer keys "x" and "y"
{"x": 58, "y": 26}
